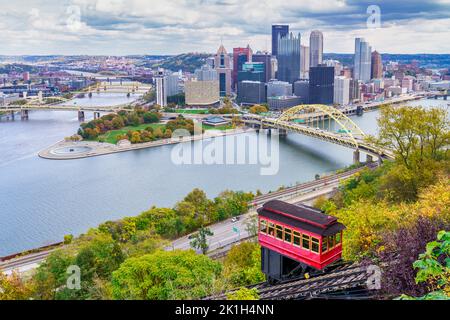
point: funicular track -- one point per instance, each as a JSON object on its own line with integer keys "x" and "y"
{"x": 347, "y": 280}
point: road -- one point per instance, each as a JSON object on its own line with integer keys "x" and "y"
{"x": 228, "y": 232}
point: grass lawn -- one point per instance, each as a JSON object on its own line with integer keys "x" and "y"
{"x": 192, "y": 111}
{"x": 111, "y": 136}
{"x": 222, "y": 127}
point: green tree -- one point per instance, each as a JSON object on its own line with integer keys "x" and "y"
{"x": 256, "y": 109}
{"x": 242, "y": 265}
{"x": 165, "y": 275}
{"x": 200, "y": 241}
{"x": 13, "y": 287}
{"x": 419, "y": 138}
{"x": 434, "y": 268}
{"x": 244, "y": 294}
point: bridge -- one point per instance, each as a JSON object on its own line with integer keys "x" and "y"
{"x": 325, "y": 123}
{"x": 133, "y": 87}
{"x": 438, "y": 94}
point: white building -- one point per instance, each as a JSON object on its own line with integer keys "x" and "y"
{"x": 161, "y": 89}
{"x": 341, "y": 91}
{"x": 173, "y": 86}
{"x": 206, "y": 73}
{"x": 304, "y": 62}
{"x": 277, "y": 88}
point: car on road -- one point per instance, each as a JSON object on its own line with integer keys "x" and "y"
{"x": 235, "y": 219}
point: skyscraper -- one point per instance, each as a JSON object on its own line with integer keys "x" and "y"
{"x": 240, "y": 56}
{"x": 341, "y": 91}
{"x": 206, "y": 73}
{"x": 222, "y": 65}
{"x": 304, "y": 62}
{"x": 161, "y": 89}
{"x": 289, "y": 58}
{"x": 266, "y": 59}
{"x": 321, "y": 84}
{"x": 315, "y": 48}
{"x": 362, "y": 60}
{"x": 278, "y": 31}
{"x": 377, "y": 66}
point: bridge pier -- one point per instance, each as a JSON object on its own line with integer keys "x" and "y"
{"x": 356, "y": 155}
{"x": 445, "y": 97}
{"x": 96, "y": 115}
{"x": 380, "y": 160}
{"x": 369, "y": 158}
{"x": 269, "y": 132}
{"x": 24, "y": 114}
{"x": 81, "y": 116}
{"x": 12, "y": 115}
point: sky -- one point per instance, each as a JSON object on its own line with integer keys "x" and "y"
{"x": 125, "y": 27}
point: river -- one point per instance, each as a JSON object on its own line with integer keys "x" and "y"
{"x": 43, "y": 200}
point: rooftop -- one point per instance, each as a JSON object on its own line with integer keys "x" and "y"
{"x": 301, "y": 216}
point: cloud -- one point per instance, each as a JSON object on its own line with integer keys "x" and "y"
{"x": 175, "y": 26}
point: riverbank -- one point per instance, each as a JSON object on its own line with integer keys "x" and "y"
{"x": 306, "y": 193}
{"x": 70, "y": 150}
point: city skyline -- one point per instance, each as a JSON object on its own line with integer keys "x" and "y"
{"x": 117, "y": 27}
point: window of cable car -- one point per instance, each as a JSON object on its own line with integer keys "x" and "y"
{"x": 287, "y": 235}
{"x": 338, "y": 238}
{"x": 314, "y": 245}
{"x": 263, "y": 226}
{"x": 280, "y": 232}
{"x": 306, "y": 242}
{"x": 271, "y": 229}
{"x": 296, "y": 238}
{"x": 324, "y": 244}
{"x": 331, "y": 241}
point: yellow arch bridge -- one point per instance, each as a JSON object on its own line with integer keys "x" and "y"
{"x": 325, "y": 123}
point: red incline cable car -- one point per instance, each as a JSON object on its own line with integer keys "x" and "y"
{"x": 297, "y": 239}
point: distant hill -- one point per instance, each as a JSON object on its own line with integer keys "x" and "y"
{"x": 435, "y": 61}
{"x": 187, "y": 62}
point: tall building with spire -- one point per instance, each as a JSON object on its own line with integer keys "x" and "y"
{"x": 377, "y": 66}
{"x": 223, "y": 68}
{"x": 315, "y": 48}
{"x": 362, "y": 60}
{"x": 289, "y": 58}
{"x": 278, "y": 31}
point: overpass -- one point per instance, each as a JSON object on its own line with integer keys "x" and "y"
{"x": 24, "y": 109}
{"x": 133, "y": 87}
{"x": 321, "y": 122}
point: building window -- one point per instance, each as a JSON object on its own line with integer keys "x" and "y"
{"x": 263, "y": 226}
{"x": 271, "y": 229}
{"x": 324, "y": 244}
{"x": 280, "y": 232}
{"x": 296, "y": 238}
{"x": 306, "y": 242}
{"x": 287, "y": 235}
{"x": 314, "y": 245}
